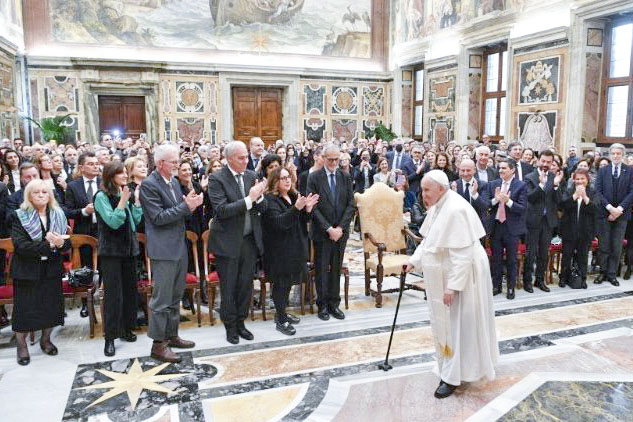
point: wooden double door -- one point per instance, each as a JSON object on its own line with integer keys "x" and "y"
{"x": 257, "y": 112}
{"x": 123, "y": 113}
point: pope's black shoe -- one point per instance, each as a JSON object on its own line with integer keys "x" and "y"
{"x": 444, "y": 390}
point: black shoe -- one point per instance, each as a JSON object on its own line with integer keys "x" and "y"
{"x": 49, "y": 349}
{"x": 599, "y": 279}
{"x": 337, "y": 313}
{"x": 109, "y": 350}
{"x": 444, "y": 390}
{"x": 583, "y": 284}
{"x": 130, "y": 337}
{"x": 613, "y": 281}
{"x": 285, "y": 328}
{"x": 24, "y": 360}
{"x": 186, "y": 304}
{"x": 84, "y": 311}
{"x": 510, "y": 294}
{"x": 292, "y": 319}
{"x": 496, "y": 291}
{"x": 528, "y": 287}
{"x": 244, "y": 333}
{"x": 323, "y": 314}
{"x": 232, "y": 337}
{"x": 561, "y": 283}
{"x": 627, "y": 273}
{"x": 542, "y": 286}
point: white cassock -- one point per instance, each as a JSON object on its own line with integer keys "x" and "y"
{"x": 451, "y": 256}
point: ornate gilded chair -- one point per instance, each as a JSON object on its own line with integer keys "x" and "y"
{"x": 383, "y": 232}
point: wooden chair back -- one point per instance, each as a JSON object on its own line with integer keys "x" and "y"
{"x": 143, "y": 241}
{"x": 7, "y": 246}
{"x": 193, "y": 238}
{"x": 77, "y": 241}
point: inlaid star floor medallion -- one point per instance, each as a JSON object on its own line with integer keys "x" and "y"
{"x": 133, "y": 382}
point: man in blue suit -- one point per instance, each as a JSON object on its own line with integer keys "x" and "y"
{"x": 614, "y": 189}
{"x": 507, "y": 224}
{"x": 477, "y": 195}
{"x": 398, "y": 159}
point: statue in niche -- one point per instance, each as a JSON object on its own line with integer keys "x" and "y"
{"x": 537, "y": 132}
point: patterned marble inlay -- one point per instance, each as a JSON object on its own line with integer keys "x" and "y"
{"x": 190, "y": 97}
{"x": 344, "y": 100}
{"x": 314, "y": 99}
{"x": 190, "y": 130}
{"x": 474, "y": 105}
{"x": 592, "y": 97}
{"x": 373, "y": 100}
{"x": 442, "y": 94}
{"x": 344, "y": 129}
{"x": 576, "y": 401}
{"x": 61, "y": 93}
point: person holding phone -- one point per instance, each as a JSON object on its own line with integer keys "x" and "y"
{"x": 384, "y": 175}
{"x": 118, "y": 219}
{"x": 364, "y": 172}
{"x": 38, "y": 232}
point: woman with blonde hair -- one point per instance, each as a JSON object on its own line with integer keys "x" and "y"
{"x": 38, "y": 231}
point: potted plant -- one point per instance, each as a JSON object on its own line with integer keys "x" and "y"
{"x": 384, "y": 133}
{"x": 54, "y": 128}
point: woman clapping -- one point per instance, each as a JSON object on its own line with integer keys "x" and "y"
{"x": 285, "y": 242}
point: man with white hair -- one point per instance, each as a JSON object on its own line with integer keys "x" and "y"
{"x": 165, "y": 210}
{"x": 235, "y": 237}
{"x": 484, "y": 173}
{"x": 614, "y": 188}
{"x": 457, "y": 275}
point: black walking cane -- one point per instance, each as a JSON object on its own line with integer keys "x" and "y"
{"x": 385, "y": 365}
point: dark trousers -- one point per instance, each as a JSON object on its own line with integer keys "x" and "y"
{"x": 502, "y": 238}
{"x": 280, "y": 293}
{"x": 328, "y": 258}
{"x": 119, "y": 286}
{"x": 575, "y": 249}
{"x": 236, "y": 283}
{"x": 610, "y": 236}
{"x": 537, "y": 242}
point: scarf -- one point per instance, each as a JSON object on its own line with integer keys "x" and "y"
{"x": 30, "y": 220}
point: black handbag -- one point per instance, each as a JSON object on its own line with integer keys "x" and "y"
{"x": 575, "y": 278}
{"x": 81, "y": 277}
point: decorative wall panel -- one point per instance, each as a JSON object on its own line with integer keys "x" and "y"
{"x": 439, "y": 115}
{"x": 536, "y": 130}
{"x": 373, "y": 100}
{"x": 314, "y": 99}
{"x": 190, "y": 129}
{"x": 344, "y": 100}
{"x": 591, "y": 110}
{"x": 474, "y": 105}
{"x": 442, "y": 94}
{"x": 60, "y": 94}
{"x": 539, "y": 80}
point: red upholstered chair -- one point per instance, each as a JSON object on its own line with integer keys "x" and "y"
{"x": 211, "y": 275}
{"x": 554, "y": 256}
{"x": 193, "y": 279}
{"x": 77, "y": 241}
{"x": 6, "y": 291}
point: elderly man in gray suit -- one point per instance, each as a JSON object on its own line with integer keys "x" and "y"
{"x": 165, "y": 212}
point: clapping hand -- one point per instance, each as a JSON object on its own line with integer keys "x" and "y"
{"x": 192, "y": 200}
{"x": 454, "y": 186}
{"x": 474, "y": 185}
{"x": 125, "y": 194}
{"x": 558, "y": 178}
{"x": 257, "y": 190}
{"x": 204, "y": 182}
{"x": 137, "y": 195}
{"x": 311, "y": 200}
{"x": 300, "y": 203}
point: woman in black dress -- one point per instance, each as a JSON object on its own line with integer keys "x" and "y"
{"x": 38, "y": 231}
{"x": 284, "y": 226}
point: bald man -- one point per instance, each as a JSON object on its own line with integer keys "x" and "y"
{"x": 476, "y": 193}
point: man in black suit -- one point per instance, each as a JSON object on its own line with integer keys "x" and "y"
{"x": 543, "y": 197}
{"x": 330, "y": 230}
{"x": 317, "y": 156}
{"x": 236, "y": 236}
{"x": 398, "y": 159}
{"x": 468, "y": 187}
{"x": 256, "y": 153}
{"x": 522, "y": 168}
{"x": 507, "y": 224}
{"x": 614, "y": 189}
{"x": 79, "y": 206}
{"x": 70, "y": 162}
{"x": 414, "y": 170}
{"x": 484, "y": 173}
{"x": 364, "y": 173}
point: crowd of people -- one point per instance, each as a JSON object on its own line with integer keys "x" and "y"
{"x": 283, "y": 198}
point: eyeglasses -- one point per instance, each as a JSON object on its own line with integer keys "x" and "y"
{"x": 332, "y": 160}
{"x": 285, "y": 178}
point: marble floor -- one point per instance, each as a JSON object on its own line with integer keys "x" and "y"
{"x": 566, "y": 356}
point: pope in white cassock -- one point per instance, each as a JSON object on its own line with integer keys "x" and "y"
{"x": 459, "y": 286}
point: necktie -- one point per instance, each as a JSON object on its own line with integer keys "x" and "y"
{"x": 333, "y": 185}
{"x": 398, "y": 158}
{"x": 616, "y": 172}
{"x": 501, "y": 212}
{"x": 171, "y": 189}
{"x": 90, "y": 191}
{"x": 247, "y": 218}
{"x": 467, "y": 192}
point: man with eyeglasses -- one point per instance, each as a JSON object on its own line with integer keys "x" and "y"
{"x": 165, "y": 210}
{"x": 330, "y": 229}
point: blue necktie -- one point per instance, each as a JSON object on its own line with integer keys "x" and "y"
{"x": 616, "y": 173}
{"x": 333, "y": 185}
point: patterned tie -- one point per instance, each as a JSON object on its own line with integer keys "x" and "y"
{"x": 90, "y": 192}
{"x": 247, "y": 218}
{"x": 616, "y": 172}
{"x": 501, "y": 212}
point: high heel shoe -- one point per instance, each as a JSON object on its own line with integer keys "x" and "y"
{"x": 49, "y": 348}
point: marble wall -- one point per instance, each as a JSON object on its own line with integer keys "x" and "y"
{"x": 474, "y": 104}
{"x": 537, "y": 114}
{"x": 9, "y": 123}
{"x": 440, "y": 106}
{"x": 591, "y": 107}
{"x": 341, "y": 110}
{"x": 188, "y": 107}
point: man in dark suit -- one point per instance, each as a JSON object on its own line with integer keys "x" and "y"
{"x": 414, "y": 170}
{"x": 614, "y": 190}
{"x": 543, "y": 197}
{"x": 28, "y": 172}
{"x": 256, "y": 153}
{"x": 330, "y": 230}
{"x": 398, "y": 159}
{"x": 79, "y": 207}
{"x": 70, "y": 162}
{"x": 236, "y": 236}
{"x": 468, "y": 187}
{"x": 522, "y": 169}
{"x": 364, "y": 173}
{"x": 507, "y": 224}
{"x": 483, "y": 172}
{"x": 165, "y": 210}
{"x": 317, "y": 156}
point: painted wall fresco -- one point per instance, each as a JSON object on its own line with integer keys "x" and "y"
{"x": 407, "y": 109}
{"x": 11, "y": 26}
{"x": 313, "y": 27}
{"x": 474, "y": 105}
{"x": 537, "y": 130}
{"x": 439, "y": 115}
{"x": 442, "y": 94}
{"x": 592, "y": 97}
{"x": 539, "y": 80}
